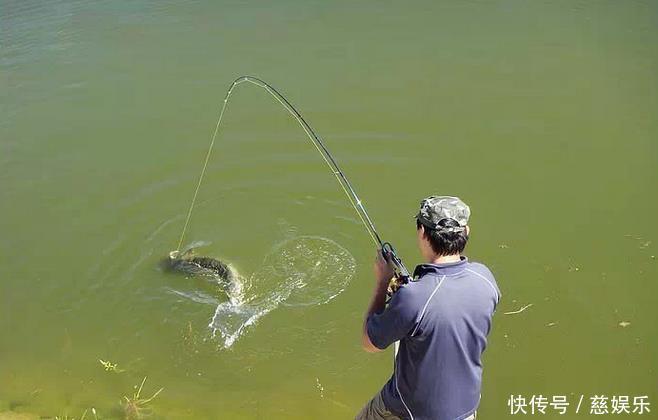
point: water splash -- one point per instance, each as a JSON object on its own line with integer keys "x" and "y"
{"x": 299, "y": 271}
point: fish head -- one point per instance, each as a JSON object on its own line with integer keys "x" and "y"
{"x": 173, "y": 255}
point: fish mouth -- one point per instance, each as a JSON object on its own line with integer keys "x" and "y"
{"x": 174, "y": 254}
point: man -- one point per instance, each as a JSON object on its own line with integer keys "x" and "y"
{"x": 441, "y": 319}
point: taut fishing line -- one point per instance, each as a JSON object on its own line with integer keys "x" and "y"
{"x": 355, "y": 201}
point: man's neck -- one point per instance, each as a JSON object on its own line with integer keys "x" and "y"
{"x": 444, "y": 259}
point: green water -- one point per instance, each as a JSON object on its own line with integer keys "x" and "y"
{"x": 540, "y": 115}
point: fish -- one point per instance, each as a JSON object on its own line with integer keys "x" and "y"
{"x": 188, "y": 263}
{"x": 211, "y": 268}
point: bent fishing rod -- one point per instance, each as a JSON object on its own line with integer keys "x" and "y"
{"x": 387, "y": 250}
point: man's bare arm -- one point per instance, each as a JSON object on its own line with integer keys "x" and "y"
{"x": 383, "y": 273}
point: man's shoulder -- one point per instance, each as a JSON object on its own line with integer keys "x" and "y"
{"x": 482, "y": 271}
{"x": 479, "y": 268}
{"x": 416, "y": 292}
{"x": 410, "y": 290}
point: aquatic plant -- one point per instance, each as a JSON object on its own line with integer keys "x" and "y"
{"x": 137, "y": 407}
{"x": 84, "y": 415}
{"x": 110, "y": 367}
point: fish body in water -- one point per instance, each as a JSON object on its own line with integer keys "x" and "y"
{"x": 190, "y": 264}
{"x": 186, "y": 262}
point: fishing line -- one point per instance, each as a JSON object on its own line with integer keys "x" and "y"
{"x": 355, "y": 201}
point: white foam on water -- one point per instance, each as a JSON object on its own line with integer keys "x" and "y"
{"x": 299, "y": 271}
{"x": 229, "y": 320}
{"x": 315, "y": 269}
{"x": 194, "y": 296}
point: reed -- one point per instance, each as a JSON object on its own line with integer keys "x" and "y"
{"x": 136, "y": 407}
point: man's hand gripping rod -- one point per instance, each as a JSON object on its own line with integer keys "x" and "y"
{"x": 402, "y": 275}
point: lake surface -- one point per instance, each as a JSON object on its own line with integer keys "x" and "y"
{"x": 541, "y": 115}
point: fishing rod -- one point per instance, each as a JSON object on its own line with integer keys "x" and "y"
{"x": 387, "y": 250}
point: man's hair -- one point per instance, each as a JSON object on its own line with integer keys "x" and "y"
{"x": 445, "y": 243}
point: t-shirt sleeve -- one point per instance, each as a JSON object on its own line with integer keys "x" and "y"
{"x": 394, "y": 322}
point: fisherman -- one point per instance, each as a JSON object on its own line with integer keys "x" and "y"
{"x": 441, "y": 319}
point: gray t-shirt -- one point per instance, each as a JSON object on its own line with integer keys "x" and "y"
{"x": 442, "y": 319}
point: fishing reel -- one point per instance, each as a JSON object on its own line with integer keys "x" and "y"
{"x": 402, "y": 275}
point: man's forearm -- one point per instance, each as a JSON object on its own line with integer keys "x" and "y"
{"x": 378, "y": 299}
{"x": 377, "y": 304}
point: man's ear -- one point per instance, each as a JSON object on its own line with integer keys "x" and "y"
{"x": 468, "y": 230}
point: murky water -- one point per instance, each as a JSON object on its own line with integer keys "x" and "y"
{"x": 541, "y": 115}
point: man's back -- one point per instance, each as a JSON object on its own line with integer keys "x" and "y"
{"x": 442, "y": 320}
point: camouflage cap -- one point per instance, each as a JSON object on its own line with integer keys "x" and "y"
{"x": 434, "y": 209}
